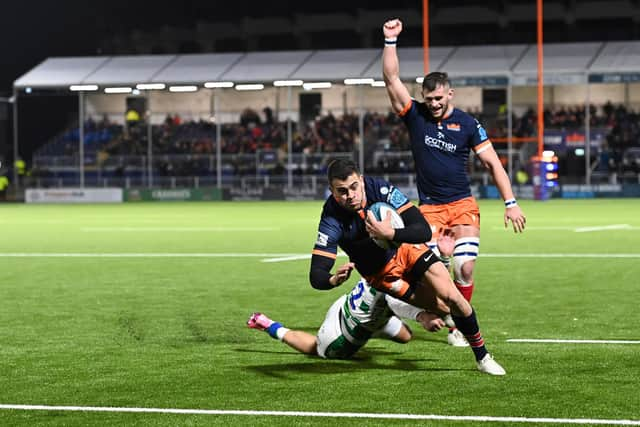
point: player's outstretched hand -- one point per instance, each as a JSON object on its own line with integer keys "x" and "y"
{"x": 517, "y": 218}
{"x": 446, "y": 244}
{"x": 429, "y": 321}
{"x": 392, "y": 28}
{"x": 342, "y": 274}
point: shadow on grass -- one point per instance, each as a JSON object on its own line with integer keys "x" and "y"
{"x": 363, "y": 361}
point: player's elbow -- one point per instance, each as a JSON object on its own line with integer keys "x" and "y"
{"x": 426, "y": 230}
{"x": 319, "y": 280}
{"x": 421, "y": 233}
{"x": 417, "y": 229}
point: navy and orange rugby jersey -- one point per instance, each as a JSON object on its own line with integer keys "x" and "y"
{"x": 345, "y": 229}
{"x": 441, "y": 150}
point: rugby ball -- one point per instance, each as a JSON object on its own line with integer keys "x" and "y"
{"x": 380, "y": 211}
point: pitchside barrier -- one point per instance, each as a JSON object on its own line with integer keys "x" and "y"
{"x": 118, "y": 195}
{"x": 73, "y": 195}
{"x": 172, "y": 194}
{"x": 284, "y": 193}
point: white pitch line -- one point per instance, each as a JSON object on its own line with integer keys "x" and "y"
{"x": 559, "y": 255}
{"x": 563, "y": 341}
{"x": 603, "y": 228}
{"x": 537, "y": 228}
{"x": 142, "y": 255}
{"x": 170, "y": 229}
{"x": 288, "y": 258}
{"x": 268, "y": 257}
{"x": 308, "y": 256}
{"x": 295, "y": 257}
{"x": 625, "y": 227}
{"x": 473, "y": 418}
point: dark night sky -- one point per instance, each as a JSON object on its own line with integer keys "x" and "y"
{"x": 33, "y": 30}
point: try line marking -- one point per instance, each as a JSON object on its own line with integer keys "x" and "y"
{"x": 580, "y": 421}
{"x": 562, "y": 341}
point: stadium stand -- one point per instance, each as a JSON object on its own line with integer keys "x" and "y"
{"x": 257, "y": 147}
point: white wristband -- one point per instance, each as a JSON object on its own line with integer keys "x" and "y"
{"x": 390, "y": 41}
{"x": 510, "y": 203}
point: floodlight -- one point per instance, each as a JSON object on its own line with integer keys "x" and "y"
{"x": 252, "y": 86}
{"x": 358, "y": 81}
{"x": 316, "y": 85}
{"x": 117, "y": 90}
{"x": 214, "y": 85}
{"x": 280, "y": 83}
{"x": 188, "y": 88}
{"x": 150, "y": 86}
{"x": 77, "y": 88}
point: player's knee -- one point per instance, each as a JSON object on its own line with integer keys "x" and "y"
{"x": 404, "y": 336}
{"x": 466, "y": 271}
{"x": 464, "y": 258}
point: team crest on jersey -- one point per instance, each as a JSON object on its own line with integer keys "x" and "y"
{"x": 396, "y": 198}
{"x": 453, "y": 126}
{"x": 440, "y": 135}
{"x": 384, "y": 191}
{"x": 323, "y": 239}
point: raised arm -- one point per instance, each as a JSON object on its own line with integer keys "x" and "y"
{"x": 397, "y": 91}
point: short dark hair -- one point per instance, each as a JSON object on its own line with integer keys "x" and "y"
{"x": 433, "y": 80}
{"x": 341, "y": 169}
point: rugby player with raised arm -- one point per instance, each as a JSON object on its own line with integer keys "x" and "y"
{"x": 442, "y": 138}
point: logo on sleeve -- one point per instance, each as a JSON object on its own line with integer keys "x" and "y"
{"x": 396, "y": 198}
{"x": 482, "y": 132}
{"x": 323, "y": 239}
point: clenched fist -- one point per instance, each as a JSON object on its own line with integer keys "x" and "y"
{"x": 392, "y": 28}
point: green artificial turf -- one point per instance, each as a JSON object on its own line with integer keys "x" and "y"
{"x": 126, "y": 329}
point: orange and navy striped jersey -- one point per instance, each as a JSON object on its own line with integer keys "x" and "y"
{"x": 441, "y": 151}
{"x": 345, "y": 229}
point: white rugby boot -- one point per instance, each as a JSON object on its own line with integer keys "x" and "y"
{"x": 456, "y": 339}
{"x": 490, "y": 366}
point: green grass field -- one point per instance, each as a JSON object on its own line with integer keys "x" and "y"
{"x": 125, "y": 329}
